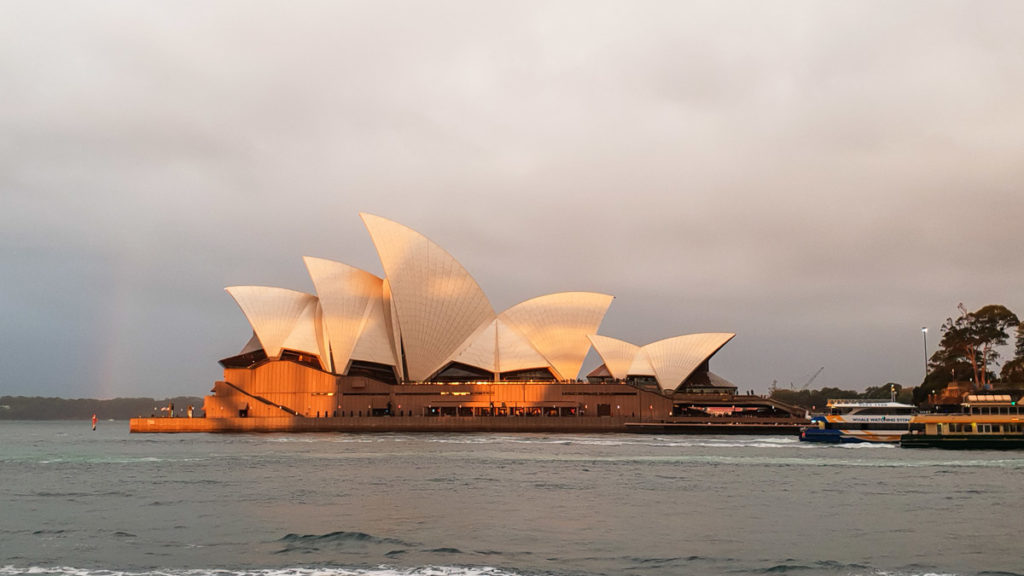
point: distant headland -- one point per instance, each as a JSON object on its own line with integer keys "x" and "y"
{"x": 39, "y": 408}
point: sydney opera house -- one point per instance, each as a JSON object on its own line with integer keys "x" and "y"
{"x": 424, "y": 342}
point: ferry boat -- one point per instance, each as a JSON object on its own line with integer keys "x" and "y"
{"x": 985, "y": 422}
{"x": 848, "y": 421}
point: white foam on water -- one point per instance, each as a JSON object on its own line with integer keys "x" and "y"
{"x": 117, "y": 460}
{"x": 10, "y": 570}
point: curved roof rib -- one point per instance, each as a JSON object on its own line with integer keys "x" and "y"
{"x": 279, "y": 317}
{"x": 353, "y": 313}
{"x": 675, "y": 359}
{"x": 498, "y": 347}
{"x": 393, "y": 329}
{"x": 617, "y": 355}
{"x": 374, "y": 344}
{"x": 480, "y": 349}
{"x": 515, "y": 352}
{"x": 306, "y": 335}
{"x": 438, "y": 304}
{"x": 557, "y": 325}
{"x": 641, "y": 365}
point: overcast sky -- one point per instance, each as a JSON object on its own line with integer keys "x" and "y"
{"x": 821, "y": 178}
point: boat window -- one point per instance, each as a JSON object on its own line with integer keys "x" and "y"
{"x": 960, "y": 428}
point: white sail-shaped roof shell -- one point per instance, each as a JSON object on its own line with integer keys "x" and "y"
{"x": 670, "y": 361}
{"x": 437, "y": 303}
{"x": 641, "y": 365}
{"x": 353, "y": 313}
{"x": 675, "y": 359}
{"x": 374, "y": 344}
{"x": 481, "y": 349}
{"x": 516, "y": 352}
{"x": 617, "y": 355}
{"x": 280, "y": 318}
{"x": 557, "y": 325}
{"x": 306, "y": 333}
{"x": 498, "y": 347}
{"x": 431, "y": 310}
{"x": 252, "y": 345}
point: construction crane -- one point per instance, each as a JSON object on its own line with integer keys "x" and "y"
{"x": 808, "y": 383}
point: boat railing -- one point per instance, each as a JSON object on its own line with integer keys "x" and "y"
{"x": 862, "y": 402}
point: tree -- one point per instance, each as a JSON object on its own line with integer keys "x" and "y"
{"x": 969, "y": 340}
{"x": 884, "y": 392}
{"x": 816, "y": 400}
{"x": 1013, "y": 371}
{"x": 811, "y": 399}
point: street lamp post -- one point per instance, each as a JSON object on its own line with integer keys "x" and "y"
{"x": 924, "y": 334}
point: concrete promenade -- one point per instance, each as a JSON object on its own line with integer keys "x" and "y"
{"x": 505, "y": 424}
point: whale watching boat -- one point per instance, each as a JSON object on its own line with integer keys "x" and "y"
{"x": 985, "y": 422}
{"x": 860, "y": 420}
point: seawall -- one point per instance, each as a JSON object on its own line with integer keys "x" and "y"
{"x": 379, "y": 424}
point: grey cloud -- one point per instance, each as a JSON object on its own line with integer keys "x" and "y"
{"x": 821, "y": 178}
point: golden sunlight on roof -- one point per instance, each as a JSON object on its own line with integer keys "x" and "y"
{"x": 280, "y": 318}
{"x": 428, "y": 312}
{"x": 617, "y": 355}
{"x": 353, "y": 313}
{"x": 557, "y": 325}
{"x": 675, "y": 359}
{"x": 438, "y": 304}
{"x": 498, "y": 347}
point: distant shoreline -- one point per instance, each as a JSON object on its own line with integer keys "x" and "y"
{"x": 54, "y": 408}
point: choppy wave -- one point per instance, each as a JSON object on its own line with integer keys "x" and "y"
{"x": 335, "y": 540}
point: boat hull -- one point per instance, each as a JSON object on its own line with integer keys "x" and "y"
{"x": 971, "y": 442}
{"x": 834, "y": 436}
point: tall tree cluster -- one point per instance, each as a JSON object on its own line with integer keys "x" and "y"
{"x": 968, "y": 350}
{"x": 1013, "y": 370}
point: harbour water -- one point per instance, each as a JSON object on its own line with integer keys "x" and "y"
{"x": 105, "y": 503}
